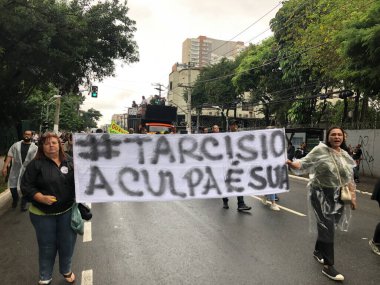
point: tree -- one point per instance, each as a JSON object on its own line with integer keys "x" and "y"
{"x": 259, "y": 73}
{"x": 89, "y": 118}
{"x": 214, "y": 87}
{"x": 360, "y": 42}
{"x": 71, "y": 117}
{"x": 62, "y": 43}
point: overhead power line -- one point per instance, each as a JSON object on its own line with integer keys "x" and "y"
{"x": 251, "y": 25}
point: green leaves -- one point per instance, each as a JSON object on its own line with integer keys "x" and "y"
{"x": 62, "y": 43}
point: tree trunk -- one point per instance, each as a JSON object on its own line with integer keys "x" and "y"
{"x": 364, "y": 109}
{"x": 356, "y": 108}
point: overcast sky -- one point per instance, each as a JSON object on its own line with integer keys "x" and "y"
{"x": 162, "y": 26}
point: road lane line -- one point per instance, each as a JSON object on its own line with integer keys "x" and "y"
{"x": 307, "y": 179}
{"x": 87, "y": 235}
{"x": 87, "y": 277}
{"x": 282, "y": 207}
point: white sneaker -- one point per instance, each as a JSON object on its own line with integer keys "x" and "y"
{"x": 274, "y": 207}
{"x": 374, "y": 247}
{"x": 264, "y": 200}
{"x": 43, "y": 282}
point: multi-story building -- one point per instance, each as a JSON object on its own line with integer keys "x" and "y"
{"x": 198, "y": 53}
{"x": 203, "y": 51}
{"x": 120, "y": 119}
{"x": 181, "y": 79}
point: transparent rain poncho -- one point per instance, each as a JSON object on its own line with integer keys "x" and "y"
{"x": 324, "y": 189}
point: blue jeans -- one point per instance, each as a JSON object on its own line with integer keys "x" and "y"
{"x": 54, "y": 234}
{"x": 271, "y": 197}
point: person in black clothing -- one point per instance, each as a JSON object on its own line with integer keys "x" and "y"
{"x": 48, "y": 182}
{"x": 291, "y": 151}
{"x": 357, "y": 156}
{"x": 240, "y": 199}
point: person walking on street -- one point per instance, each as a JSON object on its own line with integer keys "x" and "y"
{"x": 240, "y": 199}
{"x": 375, "y": 242}
{"x": 20, "y": 154}
{"x": 357, "y": 156}
{"x": 272, "y": 199}
{"x": 331, "y": 168}
{"x": 48, "y": 182}
{"x": 291, "y": 151}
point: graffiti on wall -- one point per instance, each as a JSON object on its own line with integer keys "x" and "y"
{"x": 368, "y": 158}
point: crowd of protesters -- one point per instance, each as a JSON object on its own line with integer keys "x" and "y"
{"x": 331, "y": 163}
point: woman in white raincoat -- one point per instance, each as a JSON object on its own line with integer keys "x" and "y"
{"x": 330, "y": 167}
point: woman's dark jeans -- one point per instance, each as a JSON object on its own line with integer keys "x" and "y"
{"x": 54, "y": 234}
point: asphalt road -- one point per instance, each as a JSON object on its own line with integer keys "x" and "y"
{"x": 197, "y": 242}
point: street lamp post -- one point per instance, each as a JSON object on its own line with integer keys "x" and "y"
{"x": 47, "y": 104}
{"x": 56, "y": 114}
{"x": 221, "y": 111}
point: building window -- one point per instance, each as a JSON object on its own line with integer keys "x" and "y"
{"x": 171, "y": 85}
{"x": 246, "y": 106}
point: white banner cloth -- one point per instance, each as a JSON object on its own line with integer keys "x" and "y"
{"x": 137, "y": 167}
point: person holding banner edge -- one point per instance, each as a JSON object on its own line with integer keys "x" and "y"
{"x": 240, "y": 199}
{"x": 330, "y": 167}
{"x": 48, "y": 182}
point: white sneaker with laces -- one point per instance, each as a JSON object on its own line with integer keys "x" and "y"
{"x": 374, "y": 247}
{"x": 274, "y": 207}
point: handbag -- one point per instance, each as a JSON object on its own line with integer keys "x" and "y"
{"x": 77, "y": 223}
{"x": 85, "y": 211}
{"x": 345, "y": 193}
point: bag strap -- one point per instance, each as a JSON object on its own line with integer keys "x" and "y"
{"x": 337, "y": 169}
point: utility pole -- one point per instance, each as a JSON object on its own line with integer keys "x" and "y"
{"x": 159, "y": 88}
{"x": 189, "y": 123}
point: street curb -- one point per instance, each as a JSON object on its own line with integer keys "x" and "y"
{"x": 5, "y": 199}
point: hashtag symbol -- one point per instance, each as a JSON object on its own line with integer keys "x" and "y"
{"x": 99, "y": 148}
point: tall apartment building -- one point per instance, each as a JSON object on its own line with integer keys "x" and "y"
{"x": 203, "y": 51}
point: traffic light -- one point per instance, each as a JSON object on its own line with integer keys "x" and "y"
{"x": 345, "y": 94}
{"x": 94, "y": 91}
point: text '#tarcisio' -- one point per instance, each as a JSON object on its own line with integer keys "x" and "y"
{"x": 177, "y": 167}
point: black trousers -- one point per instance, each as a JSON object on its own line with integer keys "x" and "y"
{"x": 328, "y": 211}
{"x": 376, "y": 236}
{"x": 240, "y": 200}
{"x": 15, "y": 197}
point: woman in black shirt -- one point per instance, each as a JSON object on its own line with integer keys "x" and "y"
{"x": 48, "y": 182}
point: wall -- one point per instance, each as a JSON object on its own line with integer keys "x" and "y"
{"x": 370, "y": 141}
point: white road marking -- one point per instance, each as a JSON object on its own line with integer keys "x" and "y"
{"x": 307, "y": 179}
{"x": 87, "y": 235}
{"x": 86, "y": 277}
{"x": 284, "y": 208}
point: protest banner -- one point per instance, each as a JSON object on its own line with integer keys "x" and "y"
{"x": 116, "y": 129}
{"x": 139, "y": 167}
